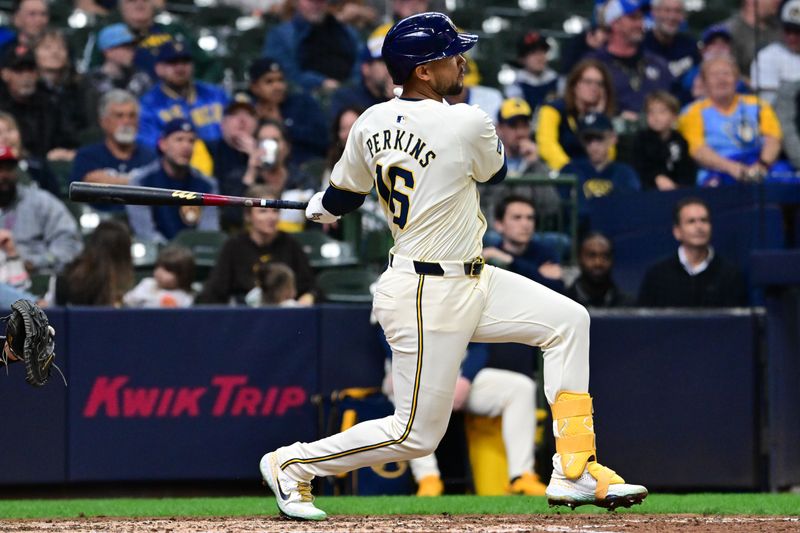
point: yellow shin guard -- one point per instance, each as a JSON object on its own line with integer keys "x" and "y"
{"x": 573, "y": 429}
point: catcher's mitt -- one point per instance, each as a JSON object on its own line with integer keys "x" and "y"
{"x": 29, "y": 338}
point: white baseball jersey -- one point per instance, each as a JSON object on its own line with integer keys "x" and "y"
{"x": 425, "y": 157}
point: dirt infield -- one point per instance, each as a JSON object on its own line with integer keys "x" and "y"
{"x": 566, "y": 523}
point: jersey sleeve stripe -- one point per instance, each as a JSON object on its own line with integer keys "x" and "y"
{"x": 500, "y": 175}
{"x": 345, "y": 189}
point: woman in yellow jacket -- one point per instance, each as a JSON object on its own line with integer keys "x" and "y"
{"x": 588, "y": 90}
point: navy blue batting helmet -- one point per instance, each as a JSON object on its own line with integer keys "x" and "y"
{"x": 420, "y": 39}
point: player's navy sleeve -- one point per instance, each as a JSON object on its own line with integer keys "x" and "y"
{"x": 500, "y": 175}
{"x": 339, "y": 201}
{"x": 475, "y": 361}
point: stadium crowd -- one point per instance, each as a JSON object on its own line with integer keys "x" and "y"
{"x": 633, "y": 102}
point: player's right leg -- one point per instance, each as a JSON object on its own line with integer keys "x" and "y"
{"x": 427, "y": 323}
{"x": 520, "y": 310}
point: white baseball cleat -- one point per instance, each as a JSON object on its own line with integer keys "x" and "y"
{"x": 584, "y": 489}
{"x": 294, "y": 498}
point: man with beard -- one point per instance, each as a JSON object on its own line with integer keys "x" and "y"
{"x": 696, "y": 276}
{"x": 161, "y": 223}
{"x": 41, "y": 125}
{"x": 594, "y": 287}
{"x": 179, "y": 95}
{"x": 118, "y": 45}
{"x": 36, "y": 225}
{"x": 112, "y": 160}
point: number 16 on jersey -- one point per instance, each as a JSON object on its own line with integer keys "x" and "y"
{"x": 397, "y": 201}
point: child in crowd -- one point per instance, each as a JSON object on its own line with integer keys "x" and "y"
{"x": 662, "y": 155}
{"x": 171, "y": 284}
{"x": 275, "y": 285}
{"x": 597, "y": 174}
{"x": 535, "y": 82}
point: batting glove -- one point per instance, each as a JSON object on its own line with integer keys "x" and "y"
{"x": 317, "y": 212}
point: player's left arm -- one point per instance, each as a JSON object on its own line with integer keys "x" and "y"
{"x": 481, "y": 144}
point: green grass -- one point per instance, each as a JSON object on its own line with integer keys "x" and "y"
{"x": 755, "y": 504}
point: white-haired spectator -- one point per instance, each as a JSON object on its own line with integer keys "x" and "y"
{"x": 112, "y": 159}
{"x": 732, "y": 137}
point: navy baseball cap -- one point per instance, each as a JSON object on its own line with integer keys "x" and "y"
{"x": 261, "y": 66}
{"x": 173, "y": 51}
{"x": 420, "y": 39}
{"x": 176, "y": 125}
{"x": 594, "y": 123}
{"x": 717, "y": 30}
{"x": 114, "y": 35}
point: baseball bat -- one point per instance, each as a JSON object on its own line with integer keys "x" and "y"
{"x": 101, "y": 193}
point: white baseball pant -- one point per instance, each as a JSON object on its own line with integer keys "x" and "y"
{"x": 428, "y": 321}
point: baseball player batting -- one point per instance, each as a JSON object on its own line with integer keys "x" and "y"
{"x": 426, "y": 158}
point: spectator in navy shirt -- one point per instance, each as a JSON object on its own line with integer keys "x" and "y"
{"x": 514, "y": 222}
{"x": 299, "y": 113}
{"x": 172, "y": 171}
{"x": 112, "y": 159}
{"x": 374, "y": 87}
{"x": 635, "y": 71}
{"x": 236, "y": 155}
{"x": 597, "y": 174}
{"x": 315, "y": 50}
{"x": 665, "y": 39}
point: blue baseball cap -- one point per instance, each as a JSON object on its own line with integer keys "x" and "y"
{"x": 717, "y": 30}
{"x": 115, "y": 35}
{"x": 176, "y": 125}
{"x": 615, "y": 9}
{"x": 594, "y": 123}
{"x": 173, "y": 51}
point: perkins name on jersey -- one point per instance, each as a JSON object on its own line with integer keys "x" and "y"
{"x": 400, "y": 140}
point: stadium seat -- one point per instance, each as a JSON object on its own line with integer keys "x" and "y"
{"x": 205, "y": 246}
{"x": 348, "y": 285}
{"x": 324, "y": 251}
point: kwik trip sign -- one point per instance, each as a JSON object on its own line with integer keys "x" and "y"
{"x": 224, "y": 396}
